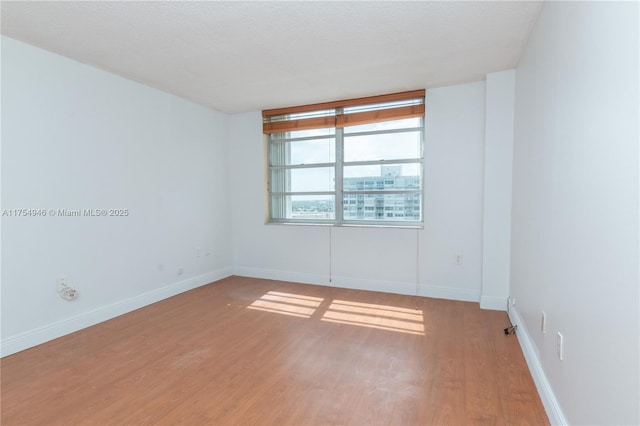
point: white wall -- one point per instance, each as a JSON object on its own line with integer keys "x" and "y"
{"x": 75, "y": 137}
{"x": 376, "y": 258}
{"x": 498, "y": 162}
{"x": 575, "y": 209}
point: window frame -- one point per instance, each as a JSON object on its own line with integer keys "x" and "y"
{"x": 274, "y": 137}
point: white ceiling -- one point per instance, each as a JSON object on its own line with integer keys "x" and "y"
{"x": 249, "y": 56}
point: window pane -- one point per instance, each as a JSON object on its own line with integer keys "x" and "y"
{"x": 379, "y": 166}
{"x": 382, "y": 177}
{"x": 385, "y": 125}
{"x": 309, "y": 133}
{"x": 386, "y": 146}
{"x": 303, "y": 180}
{"x": 303, "y": 152}
{"x": 303, "y": 207}
{"x": 383, "y": 207}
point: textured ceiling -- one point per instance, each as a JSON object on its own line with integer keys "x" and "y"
{"x": 248, "y": 56}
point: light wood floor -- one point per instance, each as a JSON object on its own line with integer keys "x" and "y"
{"x": 256, "y": 352}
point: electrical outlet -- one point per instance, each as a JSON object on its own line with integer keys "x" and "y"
{"x": 560, "y": 346}
{"x": 65, "y": 290}
{"x": 69, "y": 293}
{"x": 198, "y": 252}
{"x": 180, "y": 270}
{"x": 458, "y": 259}
{"x": 543, "y": 322}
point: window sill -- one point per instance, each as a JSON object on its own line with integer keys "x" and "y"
{"x": 350, "y": 225}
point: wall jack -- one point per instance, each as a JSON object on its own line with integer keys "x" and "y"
{"x": 67, "y": 293}
{"x": 511, "y": 330}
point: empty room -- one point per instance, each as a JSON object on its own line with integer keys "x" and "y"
{"x": 320, "y": 213}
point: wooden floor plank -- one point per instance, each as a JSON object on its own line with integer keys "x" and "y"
{"x": 246, "y": 351}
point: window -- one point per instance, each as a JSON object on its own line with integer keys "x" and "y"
{"x": 346, "y": 162}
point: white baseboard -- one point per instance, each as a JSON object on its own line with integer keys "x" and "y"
{"x": 549, "y": 400}
{"x": 493, "y": 303}
{"x": 397, "y": 287}
{"x": 450, "y": 293}
{"x": 274, "y": 274}
{"x": 29, "y": 339}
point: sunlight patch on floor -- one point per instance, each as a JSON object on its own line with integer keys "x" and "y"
{"x": 287, "y": 304}
{"x": 393, "y": 312}
{"x": 382, "y": 317}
